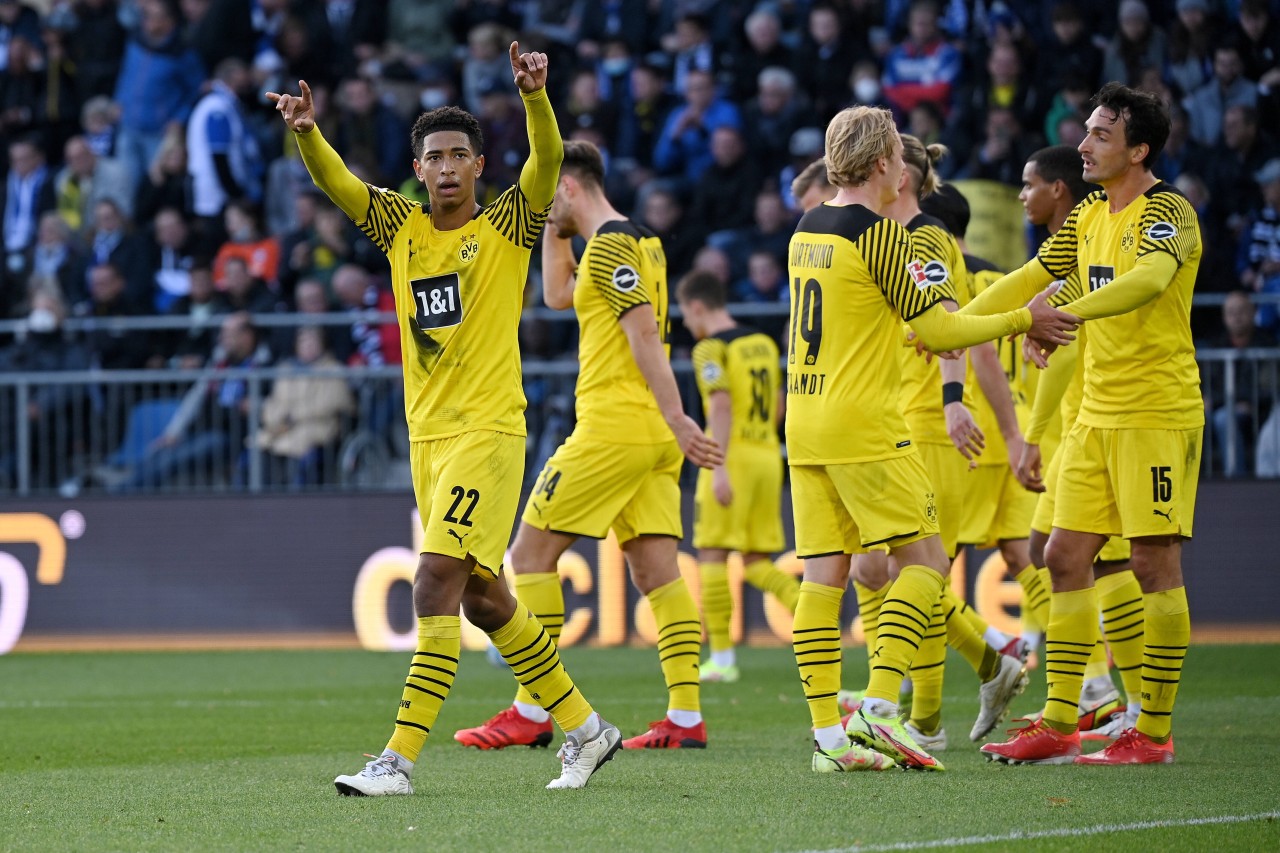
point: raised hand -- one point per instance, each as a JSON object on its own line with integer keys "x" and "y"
{"x": 528, "y": 69}
{"x": 296, "y": 110}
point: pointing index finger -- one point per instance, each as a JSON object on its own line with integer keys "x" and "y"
{"x": 515, "y": 52}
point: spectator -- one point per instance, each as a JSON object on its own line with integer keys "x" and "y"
{"x": 715, "y": 261}
{"x": 244, "y": 291}
{"x": 98, "y": 120}
{"x": 156, "y": 87}
{"x": 766, "y": 279}
{"x": 1235, "y": 421}
{"x": 662, "y": 213}
{"x": 585, "y": 109}
{"x": 112, "y": 241}
{"x": 1005, "y": 87}
{"x": 220, "y": 29}
{"x": 245, "y": 240}
{"x": 312, "y": 297}
{"x": 1243, "y": 153}
{"x": 770, "y": 231}
{"x": 351, "y": 32}
{"x": 486, "y": 61}
{"x": 1180, "y": 152}
{"x": 691, "y": 48}
{"x": 1258, "y": 261}
{"x": 683, "y": 149}
{"x": 1136, "y": 46}
{"x": 167, "y": 184}
{"x": 639, "y": 128}
{"x": 824, "y": 63}
{"x": 773, "y": 114}
{"x": 22, "y": 90}
{"x": 202, "y": 441}
{"x": 1207, "y": 106}
{"x": 61, "y": 106}
{"x": 806, "y": 144}
{"x": 370, "y": 132}
{"x": 222, "y": 153}
{"x": 1071, "y": 55}
{"x": 627, "y": 20}
{"x": 1191, "y": 39}
{"x": 1217, "y": 270}
{"x": 56, "y": 256}
{"x": 1003, "y": 150}
{"x": 1258, "y": 38}
{"x": 723, "y": 197}
{"x": 110, "y": 347}
{"x": 88, "y": 179}
{"x": 864, "y": 82}
{"x": 171, "y": 258}
{"x": 28, "y": 195}
{"x": 17, "y": 20}
{"x": 763, "y": 49}
{"x": 415, "y": 37}
{"x": 925, "y": 67}
{"x": 357, "y": 291}
{"x": 97, "y": 43}
{"x": 302, "y": 416}
{"x": 192, "y": 346}
{"x": 502, "y": 123}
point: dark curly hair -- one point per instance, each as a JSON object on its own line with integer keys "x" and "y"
{"x": 446, "y": 118}
{"x": 1145, "y": 117}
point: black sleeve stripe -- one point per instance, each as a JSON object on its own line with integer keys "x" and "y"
{"x": 387, "y": 212}
{"x": 513, "y": 218}
{"x": 1172, "y": 209}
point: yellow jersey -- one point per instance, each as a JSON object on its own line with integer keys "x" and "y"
{"x": 744, "y": 363}
{"x": 1139, "y": 367}
{"x": 623, "y": 268}
{"x": 944, "y": 269}
{"x": 458, "y": 293}
{"x": 854, "y": 279}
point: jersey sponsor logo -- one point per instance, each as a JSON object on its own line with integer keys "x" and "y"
{"x": 1100, "y": 276}
{"x": 625, "y": 279}
{"x": 936, "y": 272}
{"x": 711, "y": 373}
{"x": 1162, "y": 231}
{"x": 437, "y": 301}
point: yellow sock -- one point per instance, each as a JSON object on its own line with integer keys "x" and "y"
{"x": 904, "y": 617}
{"x": 815, "y": 637}
{"x": 542, "y": 594}
{"x": 1046, "y": 581}
{"x": 966, "y": 640}
{"x": 679, "y": 643}
{"x": 869, "y": 603}
{"x": 1123, "y": 616}
{"x": 1168, "y": 633}
{"x": 1035, "y": 598}
{"x": 431, "y": 674}
{"x": 1072, "y": 635}
{"x": 535, "y": 662}
{"x": 766, "y": 577}
{"x": 926, "y": 672}
{"x": 1096, "y": 667}
{"x": 717, "y": 605}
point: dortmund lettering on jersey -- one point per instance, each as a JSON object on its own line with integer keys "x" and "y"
{"x": 744, "y": 363}
{"x": 623, "y": 268}
{"x": 1140, "y": 368}
{"x": 943, "y": 269}
{"x": 458, "y": 296}
{"x": 854, "y": 278}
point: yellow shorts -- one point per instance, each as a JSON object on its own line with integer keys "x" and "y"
{"x": 468, "y": 490}
{"x": 589, "y": 486}
{"x": 1131, "y": 482}
{"x": 998, "y": 508}
{"x": 949, "y": 473}
{"x": 752, "y": 522}
{"x": 855, "y": 507}
{"x": 1117, "y": 549}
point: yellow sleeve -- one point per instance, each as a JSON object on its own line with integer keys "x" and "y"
{"x": 612, "y": 261}
{"x": 541, "y": 172}
{"x": 710, "y": 365}
{"x": 1012, "y": 291}
{"x": 332, "y": 176}
{"x": 1150, "y": 275}
{"x": 942, "y": 330}
{"x": 1053, "y": 384}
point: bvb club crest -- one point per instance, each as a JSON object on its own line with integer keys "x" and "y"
{"x": 1126, "y": 240}
{"x": 931, "y": 508}
{"x": 469, "y": 249}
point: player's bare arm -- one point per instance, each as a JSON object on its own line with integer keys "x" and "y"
{"x": 995, "y": 387}
{"x": 962, "y": 429}
{"x": 720, "y": 422}
{"x": 559, "y": 269}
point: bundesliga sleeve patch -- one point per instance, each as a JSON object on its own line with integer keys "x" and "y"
{"x": 1162, "y": 231}
{"x": 711, "y": 373}
{"x": 625, "y": 279}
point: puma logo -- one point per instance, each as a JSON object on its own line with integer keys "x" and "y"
{"x": 805, "y": 680}
{"x": 455, "y": 535}
{"x": 1168, "y": 516}
{"x": 538, "y": 508}
{"x": 412, "y": 251}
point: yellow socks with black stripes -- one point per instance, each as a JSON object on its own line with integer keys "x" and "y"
{"x": 542, "y": 594}
{"x": 904, "y": 619}
{"x": 815, "y": 638}
{"x": 717, "y": 605}
{"x": 869, "y": 604}
{"x": 766, "y": 577}
{"x": 1168, "y": 632}
{"x": 1035, "y": 597}
{"x": 965, "y": 638}
{"x": 926, "y": 673}
{"x": 1071, "y": 638}
{"x": 431, "y": 674}
{"x": 679, "y": 645}
{"x": 535, "y": 662}
{"x": 1123, "y": 617}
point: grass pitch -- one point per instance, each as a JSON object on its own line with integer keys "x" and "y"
{"x": 237, "y": 751}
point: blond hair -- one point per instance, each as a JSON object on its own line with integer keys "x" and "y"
{"x": 856, "y": 138}
{"x": 815, "y": 174}
{"x": 922, "y": 160}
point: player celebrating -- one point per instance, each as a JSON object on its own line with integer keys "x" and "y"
{"x": 458, "y": 272}
{"x": 620, "y": 468}
{"x": 1130, "y": 463}
{"x": 857, "y": 481}
{"x": 739, "y": 502}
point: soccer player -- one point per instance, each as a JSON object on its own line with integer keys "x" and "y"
{"x": 1052, "y": 184}
{"x": 857, "y": 480}
{"x": 739, "y": 502}
{"x": 620, "y": 469}
{"x": 1130, "y": 463}
{"x": 811, "y": 188}
{"x": 458, "y": 272}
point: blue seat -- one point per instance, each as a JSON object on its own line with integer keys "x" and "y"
{"x": 147, "y": 421}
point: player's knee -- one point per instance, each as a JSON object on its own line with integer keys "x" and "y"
{"x": 1015, "y": 554}
{"x": 487, "y": 612}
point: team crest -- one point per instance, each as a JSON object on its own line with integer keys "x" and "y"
{"x": 470, "y": 248}
{"x": 1162, "y": 231}
{"x": 931, "y": 508}
{"x": 625, "y": 279}
{"x": 1126, "y": 240}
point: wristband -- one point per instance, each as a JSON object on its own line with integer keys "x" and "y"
{"x": 952, "y": 392}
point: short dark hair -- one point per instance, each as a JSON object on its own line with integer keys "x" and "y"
{"x": 702, "y": 286}
{"x": 1063, "y": 163}
{"x": 446, "y": 118}
{"x": 1145, "y": 117}
{"x": 949, "y": 207}
{"x": 582, "y": 159}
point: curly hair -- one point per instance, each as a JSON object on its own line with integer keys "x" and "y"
{"x": 446, "y": 118}
{"x": 1145, "y": 118}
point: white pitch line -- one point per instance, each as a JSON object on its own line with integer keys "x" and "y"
{"x": 1068, "y": 832}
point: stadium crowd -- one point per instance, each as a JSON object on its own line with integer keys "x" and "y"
{"x": 146, "y": 174}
